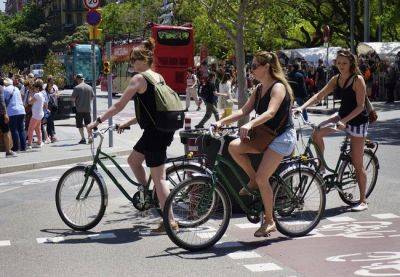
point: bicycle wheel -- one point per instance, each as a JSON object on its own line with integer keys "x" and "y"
{"x": 202, "y": 210}
{"x": 175, "y": 174}
{"x": 299, "y": 201}
{"x": 350, "y": 193}
{"x": 85, "y": 212}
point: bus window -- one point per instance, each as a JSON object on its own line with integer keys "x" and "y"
{"x": 173, "y": 37}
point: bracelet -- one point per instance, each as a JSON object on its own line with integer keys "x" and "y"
{"x": 98, "y": 120}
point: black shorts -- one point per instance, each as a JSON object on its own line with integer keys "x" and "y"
{"x": 3, "y": 126}
{"x": 153, "y": 145}
{"x": 82, "y": 117}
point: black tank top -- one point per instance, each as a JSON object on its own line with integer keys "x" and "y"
{"x": 283, "y": 111}
{"x": 147, "y": 99}
{"x": 349, "y": 102}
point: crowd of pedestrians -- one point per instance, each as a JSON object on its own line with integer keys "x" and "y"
{"x": 27, "y": 107}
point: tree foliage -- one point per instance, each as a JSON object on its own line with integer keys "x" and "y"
{"x": 54, "y": 67}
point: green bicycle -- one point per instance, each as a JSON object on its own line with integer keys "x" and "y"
{"x": 202, "y": 204}
{"x": 81, "y": 193}
{"x": 343, "y": 177}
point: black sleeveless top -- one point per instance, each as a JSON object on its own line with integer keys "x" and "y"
{"x": 283, "y": 113}
{"x": 349, "y": 102}
{"x": 148, "y": 99}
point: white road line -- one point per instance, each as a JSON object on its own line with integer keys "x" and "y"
{"x": 385, "y": 216}
{"x": 341, "y": 219}
{"x": 229, "y": 244}
{"x": 5, "y": 243}
{"x": 247, "y": 225}
{"x": 243, "y": 255}
{"x": 102, "y": 236}
{"x": 2, "y": 191}
{"x": 394, "y": 236}
{"x": 262, "y": 267}
{"x": 50, "y": 240}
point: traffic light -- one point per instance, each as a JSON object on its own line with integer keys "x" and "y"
{"x": 106, "y": 67}
{"x": 94, "y": 33}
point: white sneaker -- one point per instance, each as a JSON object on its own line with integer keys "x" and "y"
{"x": 360, "y": 207}
{"x": 28, "y": 147}
{"x": 38, "y": 145}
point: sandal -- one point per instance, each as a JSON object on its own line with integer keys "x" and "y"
{"x": 247, "y": 190}
{"x": 265, "y": 230}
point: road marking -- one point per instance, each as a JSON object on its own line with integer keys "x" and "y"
{"x": 385, "y": 216}
{"x": 247, "y": 225}
{"x": 394, "y": 236}
{"x": 262, "y": 267}
{"x": 243, "y": 255}
{"x": 229, "y": 244}
{"x": 341, "y": 219}
{"x": 5, "y": 243}
{"x": 207, "y": 235}
{"x": 50, "y": 240}
{"x": 9, "y": 189}
{"x": 102, "y": 236}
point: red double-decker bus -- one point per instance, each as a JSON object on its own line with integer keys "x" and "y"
{"x": 174, "y": 53}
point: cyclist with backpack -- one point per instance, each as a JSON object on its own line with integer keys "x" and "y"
{"x": 159, "y": 126}
{"x": 352, "y": 115}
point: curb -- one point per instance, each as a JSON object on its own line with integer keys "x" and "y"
{"x": 37, "y": 165}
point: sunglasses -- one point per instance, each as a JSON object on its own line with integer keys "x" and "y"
{"x": 254, "y": 66}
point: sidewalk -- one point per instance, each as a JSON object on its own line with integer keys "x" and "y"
{"x": 65, "y": 151}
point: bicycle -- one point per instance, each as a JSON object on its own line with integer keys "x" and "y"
{"x": 343, "y": 178}
{"x": 202, "y": 206}
{"x": 81, "y": 194}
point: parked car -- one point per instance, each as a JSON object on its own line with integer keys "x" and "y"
{"x": 37, "y": 70}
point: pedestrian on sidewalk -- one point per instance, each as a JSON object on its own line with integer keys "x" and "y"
{"x": 82, "y": 96}
{"x": 298, "y": 84}
{"x": 4, "y": 127}
{"x": 38, "y": 103}
{"x": 209, "y": 96}
{"x": 225, "y": 92}
{"x": 191, "y": 89}
{"x": 16, "y": 113}
{"x": 51, "y": 97}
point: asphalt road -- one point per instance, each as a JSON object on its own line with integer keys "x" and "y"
{"x": 35, "y": 242}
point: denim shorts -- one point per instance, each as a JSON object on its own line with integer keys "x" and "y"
{"x": 285, "y": 143}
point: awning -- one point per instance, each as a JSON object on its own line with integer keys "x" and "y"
{"x": 312, "y": 55}
{"x": 383, "y": 49}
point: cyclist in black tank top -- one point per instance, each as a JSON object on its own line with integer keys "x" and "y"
{"x": 352, "y": 115}
{"x": 152, "y": 146}
{"x": 272, "y": 102}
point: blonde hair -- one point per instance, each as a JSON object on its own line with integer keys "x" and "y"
{"x": 275, "y": 68}
{"x": 144, "y": 52}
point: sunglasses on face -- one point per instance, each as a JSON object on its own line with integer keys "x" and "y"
{"x": 254, "y": 66}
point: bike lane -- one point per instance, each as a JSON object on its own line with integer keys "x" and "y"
{"x": 345, "y": 245}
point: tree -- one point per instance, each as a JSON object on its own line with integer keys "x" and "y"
{"x": 233, "y": 17}
{"x": 53, "y": 66}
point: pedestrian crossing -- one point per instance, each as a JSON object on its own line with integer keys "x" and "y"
{"x": 246, "y": 258}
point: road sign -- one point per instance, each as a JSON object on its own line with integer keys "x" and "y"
{"x": 92, "y": 4}
{"x": 93, "y": 17}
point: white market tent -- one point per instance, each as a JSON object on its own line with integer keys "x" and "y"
{"x": 383, "y": 49}
{"x": 312, "y": 55}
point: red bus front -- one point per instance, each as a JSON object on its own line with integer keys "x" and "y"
{"x": 174, "y": 53}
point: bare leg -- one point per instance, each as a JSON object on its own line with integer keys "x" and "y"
{"x": 357, "y": 155}
{"x": 158, "y": 176}
{"x": 239, "y": 151}
{"x": 269, "y": 164}
{"x": 7, "y": 142}
{"x": 135, "y": 161}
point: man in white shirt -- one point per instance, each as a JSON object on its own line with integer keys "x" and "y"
{"x": 191, "y": 89}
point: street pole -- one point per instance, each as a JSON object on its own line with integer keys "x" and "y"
{"x": 352, "y": 18}
{"x": 109, "y": 89}
{"x": 366, "y": 20}
{"x": 141, "y": 13}
{"x": 380, "y": 11}
{"x": 94, "y": 79}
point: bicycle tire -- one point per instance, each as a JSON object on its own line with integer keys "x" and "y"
{"x": 172, "y": 171}
{"x": 200, "y": 232}
{"x": 284, "y": 199}
{"x": 62, "y": 208}
{"x": 342, "y": 173}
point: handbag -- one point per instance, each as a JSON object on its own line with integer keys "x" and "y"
{"x": 261, "y": 136}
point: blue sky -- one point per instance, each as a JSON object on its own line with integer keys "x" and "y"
{"x": 2, "y": 5}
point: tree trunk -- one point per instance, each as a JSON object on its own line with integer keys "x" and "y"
{"x": 241, "y": 73}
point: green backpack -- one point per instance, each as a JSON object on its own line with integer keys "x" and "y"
{"x": 170, "y": 114}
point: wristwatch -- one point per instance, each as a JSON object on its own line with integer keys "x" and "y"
{"x": 98, "y": 120}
